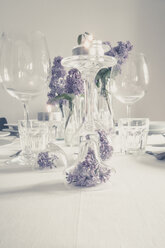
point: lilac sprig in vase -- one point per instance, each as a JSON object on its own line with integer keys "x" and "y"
{"x": 66, "y": 91}
{"x": 105, "y": 148}
{"x": 53, "y": 157}
{"x": 88, "y": 170}
{"x": 102, "y": 81}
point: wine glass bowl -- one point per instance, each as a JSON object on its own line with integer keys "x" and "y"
{"x": 129, "y": 81}
{"x": 25, "y": 64}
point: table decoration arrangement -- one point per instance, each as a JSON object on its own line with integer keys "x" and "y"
{"x": 79, "y": 104}
{"x": 75, "y": 82}
{"x": 59, "y": 91}
{"x": 88, "y": 62}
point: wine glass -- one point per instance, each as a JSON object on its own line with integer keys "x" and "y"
{"x": 24, "y": 65}
{"x": 129, "y": 81}
{"x": 24, "y": 69}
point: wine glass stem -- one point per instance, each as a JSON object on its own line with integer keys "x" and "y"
{"x": 27, "y": 126}
{"x": 26, "y": 111}
{"x": 128, "y": 111}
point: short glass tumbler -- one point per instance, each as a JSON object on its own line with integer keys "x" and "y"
{"x": 133, "y": 135}
{"x": 33, "y": 136}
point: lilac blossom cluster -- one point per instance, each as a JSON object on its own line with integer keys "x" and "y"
{"x": 46, "y": 161}
{"x": 59, "y": 86}
{"x": 74, "y": 83}
{"x": 120, "y": 52}
{"x": 106, "y": 150}
{"x": 57, "y": 82}
{"x": 89, "y": 172}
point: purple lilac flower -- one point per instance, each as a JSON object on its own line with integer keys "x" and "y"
{"x": 57, "y": 82}
{"x": 89, "y": 172}
{"x": 57, "y": 62}
{"x": 120, "y": 52}
{"x": 74, "y": 83}
{"x": 57, "y": 74}
{"x": 107, "y": 43}
{"x": 45, "y": 161}
{"x": 105, "y": 148}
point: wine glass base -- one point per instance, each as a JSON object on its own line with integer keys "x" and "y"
{"x": 20, "y": 162}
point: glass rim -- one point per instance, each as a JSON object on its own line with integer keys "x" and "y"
{"x": 136, "y": 119}
{"x": 32, "y": 122}
{"x": 79, "y": 60}
{"x": 134, "y": 122}
{"x": 14, "y": 33}
{"x": 132, "y": 53}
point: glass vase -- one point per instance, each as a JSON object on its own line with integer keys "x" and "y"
{"x": 104, "y": 112}
{"x": 89, "y": 65}
{"x": 56, "y": 124}
{"x": 88, "y": 170}
{"x": 53, "y": 157}
{"x": 74, "y": 117}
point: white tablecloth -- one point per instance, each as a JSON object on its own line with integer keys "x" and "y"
{"x": 38, "y": 211}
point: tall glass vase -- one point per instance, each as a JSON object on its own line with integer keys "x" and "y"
{"x": 104, "y": 111}
{"x": 89, "y": 64}
{"x": 74, "y": 115}
{"x": 57, "y": 123}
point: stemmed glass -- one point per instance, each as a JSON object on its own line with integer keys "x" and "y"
{"x": 24, "y": 68}
{"x": 24, "y": 65}
{"x": 129, "y": 81}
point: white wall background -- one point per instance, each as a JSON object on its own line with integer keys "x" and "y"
{"x": 140, "y": 21}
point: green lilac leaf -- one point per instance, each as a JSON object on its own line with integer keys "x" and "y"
{"x": 68, "y": 97}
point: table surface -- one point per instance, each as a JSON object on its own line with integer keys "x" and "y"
{"x": 38, "y": 210}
